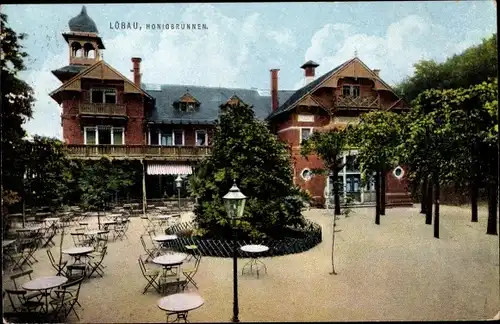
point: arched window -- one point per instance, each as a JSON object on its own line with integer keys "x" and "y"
{"x": 89, "y": 50}
{"x": 76, "y": 49}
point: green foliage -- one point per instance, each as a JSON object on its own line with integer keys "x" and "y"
{"x": 100, "y": 180}
{"x": 9, "y": 197}
{"x": 377, "y": 138}
{"x": 17, "y": 103}
{"x": 244, "y": 149}
{"x": 47, "y": 172}
{"x": 473, "y": 66}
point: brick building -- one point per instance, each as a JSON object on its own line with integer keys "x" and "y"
{"x": 169, "y": 127}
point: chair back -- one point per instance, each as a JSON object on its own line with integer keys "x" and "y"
{"x": 143, "y": 243}
{"x": 142, "y": 266}
{"x": 51, "y": 257}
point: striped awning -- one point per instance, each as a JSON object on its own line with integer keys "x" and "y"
{"x": 162, "y": 169}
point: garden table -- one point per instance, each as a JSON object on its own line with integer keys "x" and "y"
{"x": 78, "y": 252}
{"x": 7, "y": 243}
{"x": 180, "y": 305}
{"x": 254, "y": 262}
{"x": 29, "y": 229}
{"x": 44, "y": 285}
{"x": 164, "y": 239}
{"x": 169, "y": 261}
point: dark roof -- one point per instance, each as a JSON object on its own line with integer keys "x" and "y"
{"x": 309, "y": 63}
{"x": 82, "y": 23}
{"x": 303, "y": 91}
{"x": 210, "y": 99}
{"x": 68, "y": 71}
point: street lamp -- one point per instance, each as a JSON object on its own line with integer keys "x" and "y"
{"x": 234, "y": 201}
{"x": 178, "y": 184}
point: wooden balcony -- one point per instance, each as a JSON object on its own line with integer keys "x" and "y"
{"x": 147, "y": 152}
{"x": 363, "y": 102}
{"x": 99, "y": 109}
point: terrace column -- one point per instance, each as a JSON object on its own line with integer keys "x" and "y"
{"x": 144, "y": 200}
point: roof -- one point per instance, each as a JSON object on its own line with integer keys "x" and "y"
{"x": 304, "y": 91}
{"x": 82, "y": 23}
{"x": 72, "y": 70}
{"x": 210, "y": 99}
{"x": 308, "y": 64}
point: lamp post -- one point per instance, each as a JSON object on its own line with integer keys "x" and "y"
{"x": 178, "y": 184}
{"x": 235, "y": 204}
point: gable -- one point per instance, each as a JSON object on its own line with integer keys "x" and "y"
{"x": 188, "y": 98}
{"x": 99, "y": 71}
{"x": 234, "y": 100}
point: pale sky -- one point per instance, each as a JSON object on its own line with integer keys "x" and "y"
{"x": 243, "y": 41}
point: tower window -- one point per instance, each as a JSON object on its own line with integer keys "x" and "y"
{"x": 76, "y": 49}
{"x": 89, "y": 50}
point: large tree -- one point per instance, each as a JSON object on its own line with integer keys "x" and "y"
{"x": 377, "y": 138}
{"x": 473, "y": 66}
{"x": 245, "y": 150}
{"x": 17, "y": 102}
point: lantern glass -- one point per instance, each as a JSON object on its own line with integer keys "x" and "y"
{"x": 178, "y": 181}
{"x": 234, "y": 202}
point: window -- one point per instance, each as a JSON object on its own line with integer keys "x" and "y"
{"x": 201, "y": 138}
{"x": 350, "y": 91}
{"x": 104, "y": 135}
{"x": 166, "y": 138}
{"x": 305, "y": 133}
{"x": 398, "y": 172}
{"x": 306, "y": 174}
{"x": 103, "y": 96}
{"x": 352, "y": 164}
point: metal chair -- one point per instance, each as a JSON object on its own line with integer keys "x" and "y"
{"x": 150, "y": 276}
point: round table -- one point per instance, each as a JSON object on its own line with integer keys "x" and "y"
{"x": 7, "y": 242}
{"x": 95, "y": 232}
{"x": 78, "y": 252}
{"x": 164, "y": 217}
{"x": 254, "y": 250}
{"x": 44, "y": 284}
{"x": 164, "y": 238}
{"x": 51, "y": 219}
{"x": 168, "y": 261}
{"x": 29, "y": 229}
{"x": 180, "y": 304}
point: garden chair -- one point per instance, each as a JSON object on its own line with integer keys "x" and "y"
{"x": 24, "y": 257}
{"x": 17, "y": 286}
{"x": 76, "y": 271}
{"x": 193, "y": 252}
{"x": 80, "y": 239}
{"x": 96, "y": 266}
{"x": 20, "y": 303}
{"x": 150, "y": 276}
{"x": 49, "y": 235}
{"x": 58, "y": 267}
{"x": 121, "y": 230}
{"x": 190, "y": 272}
{"x": 67, "y": 297}
{"x": 150, "y": 252}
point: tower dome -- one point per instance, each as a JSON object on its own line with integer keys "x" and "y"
{"x": 82, "y": 23}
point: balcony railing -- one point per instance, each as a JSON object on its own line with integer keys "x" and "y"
{"x": 357, "y": 102}
{"x": 155, "y": 152}
{"x": 102, "y": 109}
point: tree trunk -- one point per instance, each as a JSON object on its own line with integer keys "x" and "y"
{"x": 428, "y": 210}
{"x": 423, "y": 198}
{"x": 377, "y": 198}
{"x": 474, "y": 194}
{"x": 336, "y": 196}
{"x": 492, "y": 210}
{"x": 382, "y": 192}
{"x": 333, "y": 244}
{"x": 436, "y": 206}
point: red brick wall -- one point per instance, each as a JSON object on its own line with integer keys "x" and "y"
{"x": 134, "y": 131}
{"x": 72, "y": 133}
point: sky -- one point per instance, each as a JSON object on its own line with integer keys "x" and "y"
{"x": 243, "y": 41}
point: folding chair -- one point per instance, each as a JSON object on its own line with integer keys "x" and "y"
{"x": 67, "y": 297}
{"x": 150, "y": 252}
{"x": 121, "y": 229}
{"x": 189, "y": 273}
{"x": 150, "y": 276}
{"x": 49, "y": 235}
{"x": 96, "y": 266}
{"x": 76, "y": 271}
{"x": 58, "y": 267}
{"x": 23, "y": 303}
{"x": 80, "y": 239}
{"x": 30, "y": 295}
{"x": 22, "y": 258}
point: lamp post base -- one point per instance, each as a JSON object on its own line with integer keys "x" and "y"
{"x": 235, "y": 320}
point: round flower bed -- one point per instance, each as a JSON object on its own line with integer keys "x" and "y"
{"x": 308, "y": 237}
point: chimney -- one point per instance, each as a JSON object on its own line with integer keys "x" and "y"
{"x": 137, "y": 70}
{"x": 309, "y": 71}
{"x": 377, "y": 72}
{"x": 274, "y": 89}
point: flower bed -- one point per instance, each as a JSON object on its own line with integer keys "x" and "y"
{"x": 309, "y": 237}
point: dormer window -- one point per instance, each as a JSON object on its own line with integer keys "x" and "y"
{"x": 351, "y": 91}
{"x": 99, "y": 95}
{"x": 234, "y": 101}
{"x": 187, "y": 103}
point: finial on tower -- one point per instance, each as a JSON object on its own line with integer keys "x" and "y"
{"x": 356, "y": 52}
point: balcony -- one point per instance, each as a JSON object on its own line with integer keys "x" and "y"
{"x": 363, "y": 102}
{"x": 100, "y": 109}
{"x": 148, "y": 152}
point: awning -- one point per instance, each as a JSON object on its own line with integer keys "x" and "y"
{"x": 162, "y": 169}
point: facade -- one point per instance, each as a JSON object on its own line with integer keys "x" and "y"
{"x": 169, "y": 127}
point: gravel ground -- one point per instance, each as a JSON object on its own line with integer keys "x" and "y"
{"x": 395, "y": 271}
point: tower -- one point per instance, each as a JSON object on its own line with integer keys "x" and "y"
{"x": 84, "y": 43}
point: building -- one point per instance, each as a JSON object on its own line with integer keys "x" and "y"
{"x": 169, "y": 127}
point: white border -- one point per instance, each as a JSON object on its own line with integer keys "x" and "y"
{"x": 302, "y": 174}
{"x": 402, "y": 172}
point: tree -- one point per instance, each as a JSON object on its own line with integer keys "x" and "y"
{"x": 329, "y": 147}
{"x": 246, "y": 151}
{"x": 377, "y": 137}
{"x": 17, "y": 103}
{"x": 473, "y": 66}
{"x": 47, "y": 172}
